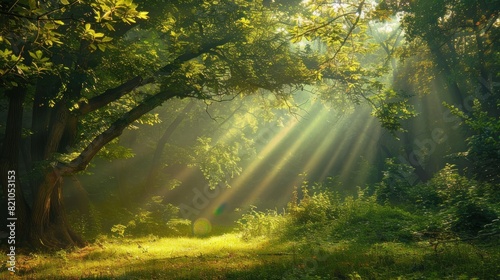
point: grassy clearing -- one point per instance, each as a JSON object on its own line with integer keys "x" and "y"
{"x": 229, "y": 257}
{"x": 166, "y": 258}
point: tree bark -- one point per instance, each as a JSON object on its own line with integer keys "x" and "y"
{"x": 109, "y": 96}
{"x": 9, "y": 160}
{"x": 46, "y": 89}
{"x": 49, "y": 227}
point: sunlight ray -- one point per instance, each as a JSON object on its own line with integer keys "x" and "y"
{"x": 359, "y": 146}
{"x": 343, "y": 144}
{"x": 181, "y": 176}
{"x": 291, "y": 150}
{"x": 252, "y": 169}
{"x": 317, "y": 157}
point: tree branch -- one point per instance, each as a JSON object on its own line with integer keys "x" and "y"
{"x": 168, "y": 69}
{"x": 116, "y": 93}
{"x": 360, "y": 7}
{"x": 109, "y": 96}
{"x": 115, "y": 130}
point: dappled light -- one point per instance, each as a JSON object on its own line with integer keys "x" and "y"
{"x": 236, "y": 139}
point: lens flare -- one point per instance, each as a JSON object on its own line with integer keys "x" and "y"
{"x": 220, "y": 209}
{"x": 202, "y": 227}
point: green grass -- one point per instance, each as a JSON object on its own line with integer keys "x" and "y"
{"x": 229, "y": 257}
{"x": 165, "y": 258}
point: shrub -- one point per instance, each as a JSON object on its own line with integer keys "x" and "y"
{"x": 364, "y": 220}
{"x": 88, "y": 224}
{"x": 395, "y": 186}
{"x": 256, "y": 223}
{"x": 157, "y": 217}
{"x": 316, "y": 208}
{"x": 118, "y": 230}
{"x": 179, "y": 227}
{"x": 467, "y": 205}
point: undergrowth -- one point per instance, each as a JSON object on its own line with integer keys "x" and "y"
{"x": 375, "y": 234}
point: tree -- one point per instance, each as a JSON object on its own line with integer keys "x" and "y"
{"x": 448, "y": 46}
{"x": 90, "y": 70}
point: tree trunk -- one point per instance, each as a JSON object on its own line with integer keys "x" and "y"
{"x": 49, "y": 227}
{"x": 9, "y": 160}
{"x": 46, "y": 89}
{"x": 160, "y": 146}
{"x": 447, "y": 77}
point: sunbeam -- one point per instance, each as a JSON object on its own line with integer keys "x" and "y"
{"x": 298, "y": 139}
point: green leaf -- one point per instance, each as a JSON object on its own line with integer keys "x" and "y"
{"x": 65, "y": 2}
{"x": 106, "y": 39}
{"x": 32, "y": 4}
{"x": 109, "y": 26}
{"x": 143, "y": 15}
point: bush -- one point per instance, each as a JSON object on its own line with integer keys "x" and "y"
{"x": 395, "y": 187}
{"x": 316, "y": 208}
{"x": 180, "y": 227}
{"x": 364, "y": 220}
{"x": 158, "y": 218}
{"x": 89, "y": 224}
{"x": 257, "y": 224}
{"x": 467, "y": 206}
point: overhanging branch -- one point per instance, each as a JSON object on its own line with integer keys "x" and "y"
{"x": 115, "y": 130}
{"x": 116, "y": 93}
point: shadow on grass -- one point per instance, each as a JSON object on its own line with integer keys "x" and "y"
{"x": 337, "y": 261}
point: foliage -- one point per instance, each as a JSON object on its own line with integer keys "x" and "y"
{"x": 395, "y": 187}
{"x": 362, "y": 219}
{"x": 320, "y": 207}
{"x": 468, "y": 206}
{"x": 119, "y": 230}
{"x": 158, "y": 218}
{"x": 452, "y": 203}
{"x": 31, "y": 34}
{"x": 218, "y": 162}
{"x": 483, "y": 146}
{"x": 115, "y": 151}
{"x": 391, "y": 109}
{"x": 257, "y": 224}
{"x": 88, "y": 224}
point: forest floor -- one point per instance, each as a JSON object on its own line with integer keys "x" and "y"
{"x": 229, "y": 257}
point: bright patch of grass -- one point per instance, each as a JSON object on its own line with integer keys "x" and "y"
{"x": 229, "y": 257}
{"x": 173, "y": 258}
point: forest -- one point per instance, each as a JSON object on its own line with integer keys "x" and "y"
{"x": 242, "y": 139}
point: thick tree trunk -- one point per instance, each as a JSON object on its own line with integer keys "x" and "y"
{"x": 46, "y": 89}
{"x": 9, "y": 161}
{"x": 49, "y": 227}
